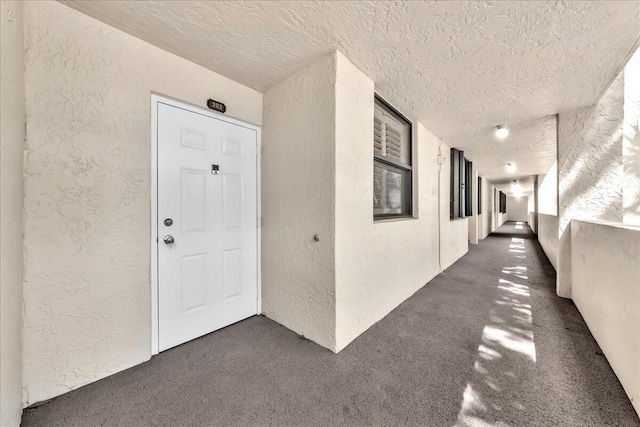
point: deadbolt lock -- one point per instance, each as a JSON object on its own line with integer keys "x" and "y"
{"x": 168, "y": 222}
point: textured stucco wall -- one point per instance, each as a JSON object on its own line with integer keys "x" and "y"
{"x": 590, "y": 171}
{"x": 12, "y": 117}
{"x": 87, "y": 191}
{"x": 517, "y": 209}
{"x": 548, "y": 191}
{"x": 502, "y": 218}
{"x": 548, "y": 237}
{"x": 487, "y": 211}
{"x": 531, "y": 208}
{"x": 454, "y": 241}
{"x": 378, "y": 264}
{"x": 606, "y": 290}
{"x": 631, "y": 142}
{"x": 298, "y": 201}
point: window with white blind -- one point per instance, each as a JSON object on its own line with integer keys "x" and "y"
{"x": 391, "y": 162}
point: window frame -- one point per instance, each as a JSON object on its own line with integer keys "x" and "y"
{"x": 479, "y": 212}
{"x": 503, "y": 203}
{"x": 408, "y": 169}
{"x": 457, "y": 185}
{"x": 468, "y": 188}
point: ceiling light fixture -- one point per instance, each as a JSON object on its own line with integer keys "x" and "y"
{"x": 515, "y": 182}
{"x": 502, "y": 132}
{"x": 511, "y": 167}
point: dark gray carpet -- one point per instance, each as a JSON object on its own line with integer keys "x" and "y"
{"x": 485, "y": 343}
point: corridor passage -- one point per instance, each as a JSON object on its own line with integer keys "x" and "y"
{"x": 486, "y": 343}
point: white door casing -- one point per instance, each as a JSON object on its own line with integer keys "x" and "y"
{"x": 208, "y": 277}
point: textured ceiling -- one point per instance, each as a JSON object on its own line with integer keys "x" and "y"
{"x": 525, "y": 185}
{"x": 530, "y": 148}
{"x": 459, "y": 68}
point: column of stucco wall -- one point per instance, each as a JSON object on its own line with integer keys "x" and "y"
{"x": 12, "y": 117}
{"x": 531, "y": 213}
{"x": 631, "y": 142}
{"x": 590, "y": 171}
{"x": 547, "y": 216}
{"x": 491, "y": 217}
{"x": 473, "y": 219}
{"x": 378, "y": 264}
{"x": 487, "y": 212}
{"x": 87, "y": 191}
{"x": 298, "y": 201}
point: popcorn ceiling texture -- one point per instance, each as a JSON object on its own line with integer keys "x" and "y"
{"x": 590, "y": 171}
{"x": 87, "y": 191}
{"x": 458, "y": 68}
{"x": 12, "y": 116}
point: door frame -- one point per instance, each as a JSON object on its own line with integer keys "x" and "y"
{"x": 161, "y": 99}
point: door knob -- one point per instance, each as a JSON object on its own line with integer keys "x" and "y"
{"x": 168, "y": 239}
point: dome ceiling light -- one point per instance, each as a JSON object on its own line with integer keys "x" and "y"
{"x": 502, "y": 132}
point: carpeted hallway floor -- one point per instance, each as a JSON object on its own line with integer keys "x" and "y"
{"x": 486, "y": 343}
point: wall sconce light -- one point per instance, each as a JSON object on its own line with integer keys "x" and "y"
{"x": 502, "y": 132}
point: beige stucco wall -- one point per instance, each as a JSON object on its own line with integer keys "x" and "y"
{"x": 486, "y": 218}
{"x": 548, "y": 191}
{"x": 12, "y": 116}
{"x": 298, "y": 201}
{"x": 548, "y": 237}
{"x": 87, "y": 191}
{"x": 590, "y": 171}
{"x": 517, "y": 208}
{"x": 378, "y": 264}
{"x": 531, "y": 209}
{"x": 606, "y": 290}
{"x": 631, "y": 141}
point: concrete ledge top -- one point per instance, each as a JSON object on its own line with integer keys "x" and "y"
{"x": 631, "y": 227}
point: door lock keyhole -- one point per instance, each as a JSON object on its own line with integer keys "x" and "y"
{"x": 168, "y": 222}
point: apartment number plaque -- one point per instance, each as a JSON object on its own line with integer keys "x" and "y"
{"x": 217, "y": 106}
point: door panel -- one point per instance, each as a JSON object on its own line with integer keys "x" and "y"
{"x": 207, "y": 278}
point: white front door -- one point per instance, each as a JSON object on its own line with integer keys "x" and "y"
{"x": 207, "y": 219}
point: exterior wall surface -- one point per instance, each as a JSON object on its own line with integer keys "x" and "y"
{"x": 298, "y": 201}
{"x": 87, "y": 181}
{"x": 531, "y": 207}
{"x": 547, "y": 187}
{"x": 548, "y": 237}
{"x": 606, "y": 290}
{"x": 378, "y": 264}
{"x": 487, "y": 209}
{"x": 12, "y": 118}
{"x": 517, "y": 209}
{"x": 502, "y": 218}
{"x": 454, "y": 235}
{"x": 590, "y": 171}
{"x": 631, "y": 142}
